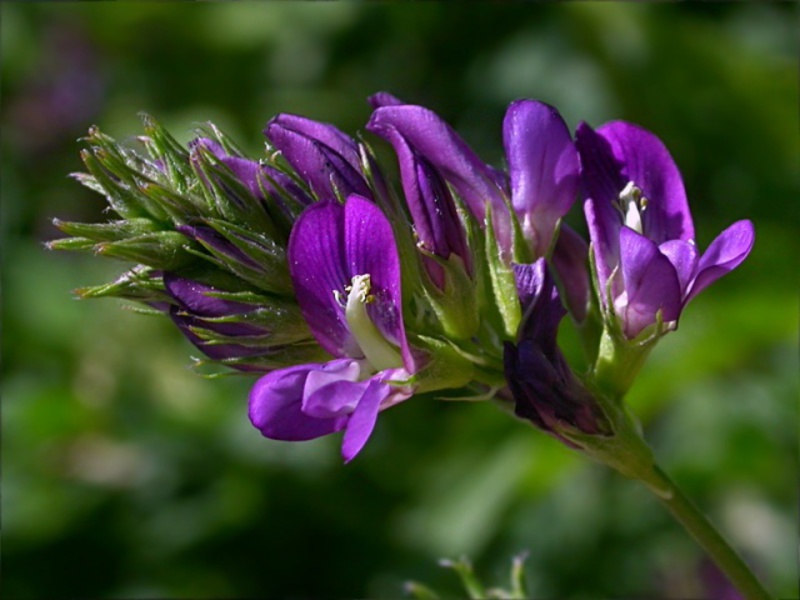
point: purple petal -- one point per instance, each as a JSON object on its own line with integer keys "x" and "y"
{"x": 432, "y": 209}
{"x": 683, "y": 256}
{"x": 276, "y": 406}
{"x": 188, "y": 323}
{"x": 334, "y": 390}
{"x": 362, "y": 421}
{"x": 570, "y": 257}
{"x": 321, "y": 154}
{"x": 724, "y": 254}
{"x": 443, "y": 148}
{"x": 543, "y": 168}
{"x": 319, "y": 271}
{"x": 198, "y": 298}
{"x": 384, "y": 99}
{"x": 541, "y": 305}
{"x": 647, "y": 163}
{"x": 370, "y": 248}
{"x": 650, "y": 283}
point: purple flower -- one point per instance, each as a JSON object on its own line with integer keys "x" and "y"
{"x": 323, "y": 156}
{"x": 544, "y": 388}
{"x": 346, "y": 272}
{"x": 641, "y": 228}
{"x": 543, "y": 165}
{"x": 430, "y": 203}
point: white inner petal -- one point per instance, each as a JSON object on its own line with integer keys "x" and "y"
{"x": 379, "y": 352}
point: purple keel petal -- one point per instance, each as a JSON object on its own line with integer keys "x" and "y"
{"x": 647, "y": 163}
{"x": 276, "y": 407}
{"x": 543, "y": 168}
{"x": 683, "y": 256}
{"x": 541, "y": 306}
{"x": 334, "y": 390}
{"x": 370, "y": 248}
{"x": 724, "y": 254}
{"x": 650, "y": 283}
{"x": 363, "y": 419}
{"x": 319, "y": 271}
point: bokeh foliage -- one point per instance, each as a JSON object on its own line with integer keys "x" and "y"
{"x": 125, "y": 474}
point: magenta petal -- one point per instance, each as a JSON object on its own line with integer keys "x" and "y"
{"x": 362, "y": 421}
{"x": 683, "y": 256}
{"x": 384, "y": 99}
{"x": 647, "y": 163}
{"x": 276, "y": 407}
{"x": 318, "y": 267}
{"x": 724, "y": 254}
{"x": 650, "y": 282}
{"x": 543, "y": 167}
{"x": 370, "y": 249}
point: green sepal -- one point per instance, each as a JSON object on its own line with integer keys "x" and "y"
{"x": 173, "y": 156}
{"x": 271, "y": 270}
{"x": 504, "y": 285}
{"x": 140, "y": 284}
{"x": 280, "y": 357}
{"x": 446, "y": 367}
{"x": 107, "y": 232}
{"x": 456, "y": 307}
{"x": 167, "y": 250}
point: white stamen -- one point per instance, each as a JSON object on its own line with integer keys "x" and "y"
{"x": 379, "y": 352}
{"x": 632, "y": 204}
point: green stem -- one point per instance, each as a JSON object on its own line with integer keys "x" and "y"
{"x": 688, "y": 515}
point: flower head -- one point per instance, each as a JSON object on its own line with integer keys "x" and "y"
{"x": 647, "y": 264}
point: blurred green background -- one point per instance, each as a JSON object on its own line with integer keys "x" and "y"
{"x": 126, "y": 475}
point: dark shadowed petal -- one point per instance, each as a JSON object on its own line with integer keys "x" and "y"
{"x": 542, "y": 165}
{"x": 570, "y": 258}
{"x": 370, "y": 249}
{"x": 188, "y": 324}
{"x": 362, "y": 421}
{"x": 321, "y": 154}
{"x": 724, "y": 254}
{"x": 213, "y": 240}
{"x": 275, "y": 407}
{"x": 318, "y": 266}
{"x": 440, "y": 145}
{"x": 683, "y": 256}
{"x": 650, "y": 281}
{"x": 648, "y": 164}
{"x": 541, "y": 305}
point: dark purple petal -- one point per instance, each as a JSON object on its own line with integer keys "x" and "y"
{"x": 543, "y": 168}
{"x": 432, "y": 209}
{"x": 210, "y": 238}
{"x": 683, "y": 256}
{"x": 602, "y": 181}
{"x": 647, "y": 163}
{"x": 321, "y": 154}
{"x": 542, "y": 310}
{"x": 188, "y": 324}
{"x": 650, "y": 282}
{"x": 570, "y": 258}
{"x": 199, "y": 299}
{"x": 275, "y": 406}
{"x": 370, "y": 248}
{"x": 319, "y": 271}
{"x": 444, "y": 149}
{"x": 724, "y": 254}
{"x": 362, "y": 421}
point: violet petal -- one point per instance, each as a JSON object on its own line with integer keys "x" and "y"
{"x": 651, "y": 284}
{"x": 724, "y": 254}
{"x": 319, "y": 271}
{"x": 542, "y": 165}
{"x": 648, "y": 164}
{"x": 541, "y": 305}
{"x": 364, "y": 417}
{"x": 570, "y": 257}
{"x": 683, "y": 256}
{"x": 369, "y": 248}
{"x": 275, "y": 407}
